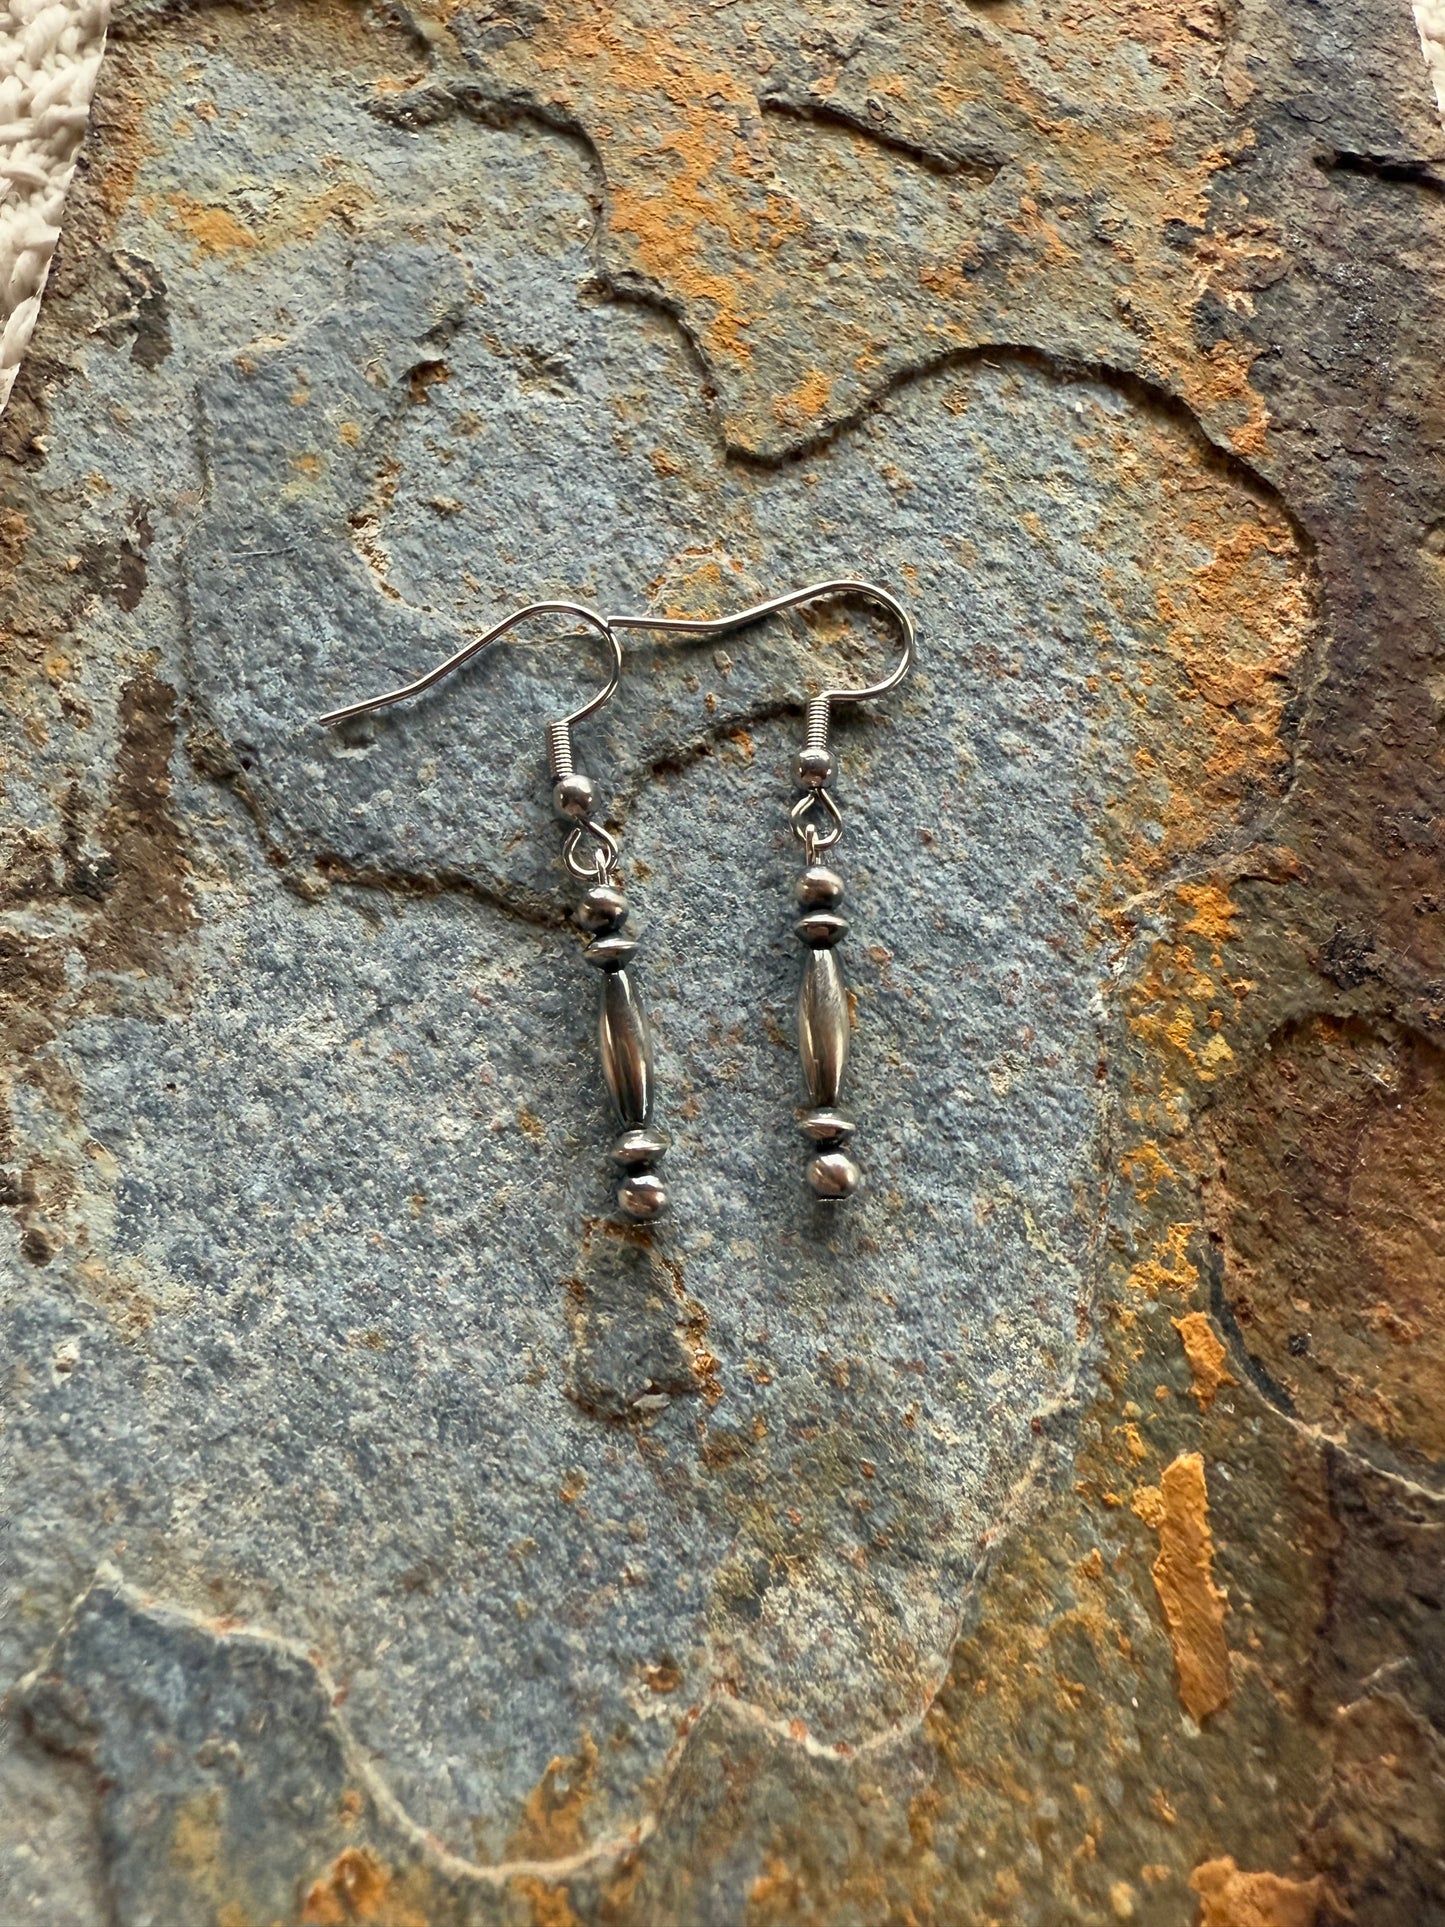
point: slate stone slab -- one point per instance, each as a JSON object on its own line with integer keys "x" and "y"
{"x": 463, "y": 1557}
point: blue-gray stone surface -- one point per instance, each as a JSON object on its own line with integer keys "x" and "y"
{"x": 391, "y": 1534}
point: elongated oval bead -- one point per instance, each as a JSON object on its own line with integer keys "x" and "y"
{"x": 823, "y": 1026}
{"x": 626, "y": 1049}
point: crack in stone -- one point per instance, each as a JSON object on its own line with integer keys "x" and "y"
{"x": 979, "y": 170}
{"x": 1398, "y": 170}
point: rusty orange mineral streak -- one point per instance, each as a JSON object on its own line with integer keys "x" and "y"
{"x": 1206, "y": 1354}
{"x": 1178, "y": 1509}
{"x": 1229, "y": 1897}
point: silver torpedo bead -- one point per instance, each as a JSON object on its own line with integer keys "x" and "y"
{"x": 627, "y": 1049}
{"x": 823, "y": 1026}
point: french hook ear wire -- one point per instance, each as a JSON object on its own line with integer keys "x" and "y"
{"x": 559, "y": 733}
{"x": 713, "y": 626}
{"x": 814, "y": 763}
{"x": 623, "y": 1036}
{"x": 824, "y": 1014}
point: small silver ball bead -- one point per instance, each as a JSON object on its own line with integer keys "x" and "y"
{"x": 833, "y": 1176}
{"x": 819, "y": 888}
{"x": 603, "y": 908}
{"x": 574, "y": 797}
{"x": 814, "y": 767}
{"x": 643, "y": 1196}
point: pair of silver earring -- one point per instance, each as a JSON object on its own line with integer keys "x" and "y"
{"x": 591, "y": 855}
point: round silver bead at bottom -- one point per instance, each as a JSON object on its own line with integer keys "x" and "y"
{"x": 643, "y": 1196}
{"x": 833, "y": 1176}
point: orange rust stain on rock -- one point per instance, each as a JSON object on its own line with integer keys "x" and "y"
{"x": 1231, "y": 1898}
{"x": 121, "y": 143}
{"x": 1170, "y": 1268}
{"x": 1237, "y": 607}
{"x": 548, "y": 1906}
{"x": 806, "y": 402}
{"x": 214, "y": 230}
{"x": 698, "y": 200}
{"x": 1205, "y": 1351}
{"x": 552, "y": 1827}
{"x": 663, "y": 101}
{"x": 1179, "y": 1009}
{"x": 1178, "y": 1509}
{"x": 356, "y": 1888}
{"x": 1146, "y": 1168}
{"x": 1212, "y": 913}
{"x": 216, "y": 233}
{"x": 1170, "y": 32}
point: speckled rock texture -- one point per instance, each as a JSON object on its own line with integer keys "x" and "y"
{"x": 1054, "y": 1537}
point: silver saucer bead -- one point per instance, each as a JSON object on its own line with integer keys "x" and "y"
{"x": 821, "y": 929}
{"x": 610, "y": 953}
{"x": 833, "y": 1176}
{"x": 637, "y": 1150}
{"x": 826, "y": 1126}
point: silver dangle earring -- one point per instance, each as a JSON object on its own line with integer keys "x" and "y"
{"x": 824, "y": 1019}
{"x": 591, "y": 856}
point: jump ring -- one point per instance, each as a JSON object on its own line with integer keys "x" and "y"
{"x": 606, "y": 849}
{"x": 802, "y": 829}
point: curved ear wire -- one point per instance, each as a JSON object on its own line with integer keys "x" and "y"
{"x": 725, "y": 626}
{"x": 475, "y": 648}
{"x": 622, "y": 1030}
{"x": 824, "y": 1016}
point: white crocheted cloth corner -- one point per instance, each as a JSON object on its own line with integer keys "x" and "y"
{"x": 1430, "y": 19}
{"x": 49, "y": 57}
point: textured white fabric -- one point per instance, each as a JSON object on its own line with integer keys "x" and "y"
{"x": 49, "y": 57}
{"x": 1430, "y": 19}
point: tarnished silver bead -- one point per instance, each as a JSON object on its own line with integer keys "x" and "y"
{"x": 824, "y": 1026}
{"x": 819, "y": 888}
{"x": 610, "y": 953}
{"x": 826, "y": 1126}
{"x": 603, "y": 908}
{"x": 643, "y": 1196}
{"x": 821, "y": 929}
{"x": 814, "y": 767}
{"x": 574, "y": 797}
{"x": 626, "y": 1048}
{"x": 833, "y": 1175}
{"x": 636, "y": 1150}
